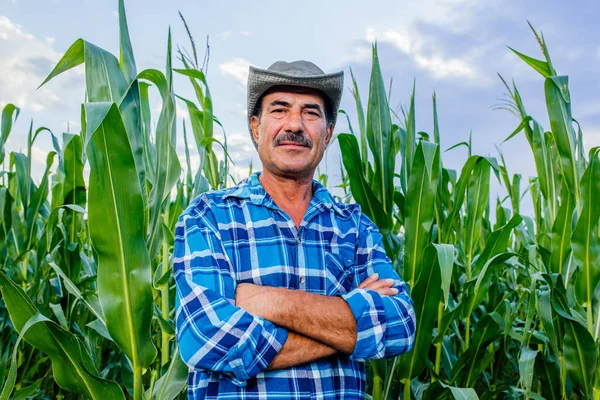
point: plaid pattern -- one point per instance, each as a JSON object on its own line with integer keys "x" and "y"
{"x": 239, "y": 235}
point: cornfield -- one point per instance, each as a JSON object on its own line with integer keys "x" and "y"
{"x": 508, "y": 308}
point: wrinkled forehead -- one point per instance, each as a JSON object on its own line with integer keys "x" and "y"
{"x": 320, "y": 96}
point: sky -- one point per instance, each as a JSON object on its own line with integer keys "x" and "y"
{"x": 452, "y": 47}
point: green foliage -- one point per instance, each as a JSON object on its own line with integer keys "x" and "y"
{"x": 531, "y": 336}
{"x": 505, "y": 309}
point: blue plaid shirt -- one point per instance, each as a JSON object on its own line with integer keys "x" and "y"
{"x": 239, "y": 235}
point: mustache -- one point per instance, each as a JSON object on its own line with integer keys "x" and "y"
{"x": 295, "y": 138}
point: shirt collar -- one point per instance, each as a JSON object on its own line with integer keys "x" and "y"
{"x": 251, "y": 189}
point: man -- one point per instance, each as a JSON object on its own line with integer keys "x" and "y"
{"x": 282, "y": 293}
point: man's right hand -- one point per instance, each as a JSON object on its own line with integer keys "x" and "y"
{"x": 381, "y": 286}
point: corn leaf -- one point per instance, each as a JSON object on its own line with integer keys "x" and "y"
{"x": 105, "y": 82}
{"x": 409, "y": 144}
{"x": 459, "y": 194}
{"x": 420, "y": 208}
{"x": 211, "y": 168}
{"x": 72, "y": 367}
{"x": 526, "y": 363}
{"x": 584, "y": 240}
{"x": 167, "y": 167}
{"x": 6, "y": 202}
{"x": 379, "y": 137}
{"x": 540, "y": 66}
{"x": 360, "y": 188}
{"x": 439, "y": 390}
{"x": 483, "y": 282}
{"x": 124, "y": 275}
{"x": 470, "y": 363}
{"x": 561, "y": 232}
{"x": 149, "y": 149}
{"x": 10, "y": 113}
{"x": 558, "y": 104}
{"x": 497, "y": 243}
{"x": 28, "y": 391}
{"x": 548, "y": 374}
{"x": 580, "y": 353}
{"x": 477, "y": 201}
{"x": 360, "y": 113}
{"x": 127, "y": 60}
{"x": 172, "y": 382}
{"x": 19, "y": 161}
{"x": 543, "y": 163}
{"x": 426, "y": 295}
{"x": 544, "y": 308}
{"x": 39, "y": 197}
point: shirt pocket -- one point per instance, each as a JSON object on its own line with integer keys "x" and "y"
{"x": 338, "y": 274}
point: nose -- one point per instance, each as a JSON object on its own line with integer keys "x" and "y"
{"x": 294, "y": 122}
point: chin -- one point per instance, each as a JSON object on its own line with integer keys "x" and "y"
{"x": 294, "y": 169}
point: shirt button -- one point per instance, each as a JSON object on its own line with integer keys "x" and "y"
{"x": 298, "y": 239}
{"x": 302, "y": 279}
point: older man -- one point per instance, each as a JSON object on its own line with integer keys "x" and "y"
{"x": 283, "y": 293}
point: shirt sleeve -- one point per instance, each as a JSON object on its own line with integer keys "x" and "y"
{"x": 385, "y": 324}
{"x": 212, "y": 332}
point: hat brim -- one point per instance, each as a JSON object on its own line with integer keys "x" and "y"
{"x": 261, "y": 80}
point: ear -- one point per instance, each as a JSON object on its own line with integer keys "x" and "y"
{"x": 254, "y": 122}
{"x": 329, "y": 134}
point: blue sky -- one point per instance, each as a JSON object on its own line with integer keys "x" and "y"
{"x": 454, "y": 47}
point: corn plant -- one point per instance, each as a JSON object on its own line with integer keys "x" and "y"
{"x": 115, "y": 266}
{"x": 505, "y": 309}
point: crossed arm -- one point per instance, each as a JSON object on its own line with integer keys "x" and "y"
{"x": 319, "y": 326}
{"x": 240, "y": 334}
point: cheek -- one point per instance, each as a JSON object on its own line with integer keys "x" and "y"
{"x": 321, "y": 141}
{"x": 270, "y": 131}
{"x": 263, "y": 134}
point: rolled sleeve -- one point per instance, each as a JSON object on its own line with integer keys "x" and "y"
{"x": 385, "y": 325}
{"x": 212, "y": 332}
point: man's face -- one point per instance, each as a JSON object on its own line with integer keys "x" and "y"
{"x": 292, "y": 133}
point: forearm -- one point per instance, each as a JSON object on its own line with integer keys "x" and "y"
{"x": 299, "y": 349}
{"x": 327, "y": 319}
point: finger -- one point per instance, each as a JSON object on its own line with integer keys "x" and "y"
{"x": 382, "y": 283}
{"x": 370, "y": 279}
{"x": 387, "y": 291}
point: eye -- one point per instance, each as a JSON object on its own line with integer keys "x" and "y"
{"x": 312, "y": 115}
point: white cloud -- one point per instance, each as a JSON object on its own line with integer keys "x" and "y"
{"x": 240, "y": 110}
{"x": 24, "y": 62}
{"x": 591, "y": 137}
{"x": 181, "y": 110}
{"x": 239, "y": 145}
{"x": 446, "y": 68}
{"x": 405, "y": 40}
{"x": 226, "y": 35}
{"x": 458, "y": 15}
{"x": 39, "y": 156}
{"x": 238, "y": 68}
{"x": 425, "y": 53}
{"x": 360, "y": 54}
